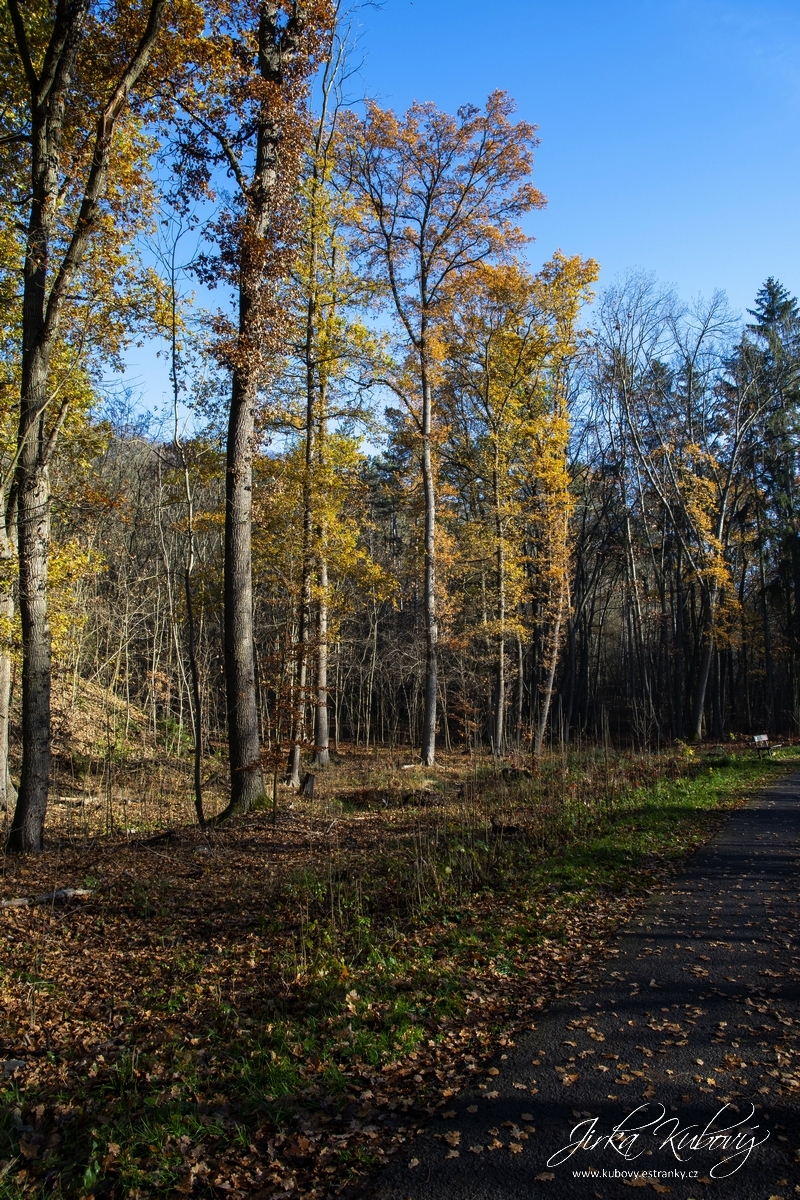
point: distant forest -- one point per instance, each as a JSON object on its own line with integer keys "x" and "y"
{"x": 681, "y": 567}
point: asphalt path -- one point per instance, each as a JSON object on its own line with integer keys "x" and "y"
{"x": 677, "y": 1071}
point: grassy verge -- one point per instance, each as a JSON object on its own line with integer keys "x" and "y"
{"x": 286, "y": 1050}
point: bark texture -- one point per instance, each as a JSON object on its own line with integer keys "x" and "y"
{"x": 247, "y": 780}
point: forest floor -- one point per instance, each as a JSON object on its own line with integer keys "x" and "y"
{"x": 276, "y": 1009}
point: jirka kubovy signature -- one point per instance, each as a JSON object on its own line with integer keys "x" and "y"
{"x": 630, "y": 1139}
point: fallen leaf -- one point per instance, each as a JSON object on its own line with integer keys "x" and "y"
{"x": 527, "y": 1117}
{"x": 414, "y": 1163}
{"x": 545, "y": 1176}
{"x": 515, "y": 1147}
{"x": 476, "y": 1149}
{"x": 568, "y": 1080}
{"x": 472, "y": 1108}
{"x": 453, "y": 1137}
{"x": 453, "y": 1154}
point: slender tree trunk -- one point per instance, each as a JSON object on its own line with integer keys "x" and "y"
{"x": 698, "y": 703}
{"x": 247, "y": 779}
{"x": 33, "y": 534}
{"x": 8, "y": 793}
{"x": 428, "y": 754}
{"x": 718, "y": 708}
{"x": 520, "y": 698}
{"x": 679, "y": 664}
{"x": 197, "y": 706}
{"x": 299, "y": 714}
{"x": 765, "y": 625}
{"x": 547, "y": 694}
{"x": 321, "y": 730}
{"x": 500, "y": 698}
{"x": 500, "y": 687}
{"x": 279, "y": 40}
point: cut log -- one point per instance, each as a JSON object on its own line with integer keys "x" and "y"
{"x": 60, "y": 896}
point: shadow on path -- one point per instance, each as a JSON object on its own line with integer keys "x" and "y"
{"x": 687, "y": 1044}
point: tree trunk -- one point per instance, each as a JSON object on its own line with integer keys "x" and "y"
{"x": 47, "y": 286}
{"x": 27, "y": 830}
{"x": 279, "y": 41}
{"x": 520, "y": 698}
{"x": 8, "y": 793}
{"x": 679, "y": 665}
{"x": 500, "y": 691}
{"x": 299, "y": 714}
{"x": 321, "y": 731}
{"x": 698, "y": 704}
{"x": 428, "y": 754}
{"x": 547, "y": 694}
{"x": 197, "y": 709}
{"x": 247, "y": 780}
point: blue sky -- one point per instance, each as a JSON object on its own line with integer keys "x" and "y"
{"x": 670, "y": 129}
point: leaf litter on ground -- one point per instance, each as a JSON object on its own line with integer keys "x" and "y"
{"x": 195, "y": 1026}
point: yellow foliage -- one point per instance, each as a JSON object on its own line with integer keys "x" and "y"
{"x": 505, "y": 431}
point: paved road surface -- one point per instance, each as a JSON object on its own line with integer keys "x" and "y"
{"x": 699, "y": 1007}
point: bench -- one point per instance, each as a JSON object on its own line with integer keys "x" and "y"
{"x": 761, "y": 742}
